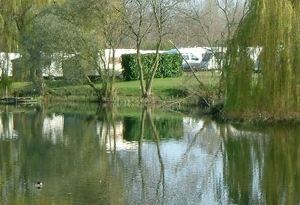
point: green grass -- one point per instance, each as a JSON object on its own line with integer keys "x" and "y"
{"x": 20, "y": 85}
{"x": 163, "y": 88}
{"x": 168, "y": 87}
{"x": 160, "y": 86}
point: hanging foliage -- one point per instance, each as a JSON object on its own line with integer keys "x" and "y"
{"x": 263, "y": 64}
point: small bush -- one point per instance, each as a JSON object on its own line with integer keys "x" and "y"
{"x": 169, "y": 66}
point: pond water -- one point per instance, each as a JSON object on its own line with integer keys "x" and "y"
{"x": 144, "y": 157}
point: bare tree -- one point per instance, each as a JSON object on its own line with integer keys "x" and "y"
{"x": 234, "y": 12}
{"x": 213, "y": 23}
{"x": 143, "y": 17}
{"x": 111, "y": 34}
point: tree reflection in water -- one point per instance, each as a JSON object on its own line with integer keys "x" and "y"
{"x": 109, "y": 133}
{"x": 161, "y": 181}
{"x": 144, "y": 158}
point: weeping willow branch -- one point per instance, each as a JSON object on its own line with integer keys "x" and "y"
{"x": 271, "y": 28}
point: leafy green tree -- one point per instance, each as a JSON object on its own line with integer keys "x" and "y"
{"x": 16, "y": 20}
{"x": 273, "y": 91}
{"x": 80, "y": 32}
{"x": 107, "y": 26}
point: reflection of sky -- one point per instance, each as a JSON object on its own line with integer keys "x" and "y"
{"x": 190, "y": 171}
{"x": 193, "y": 168}
{"x": 7, "y": 131}
{"x": 53, "y": 128}
{"x": 112, "y": 137}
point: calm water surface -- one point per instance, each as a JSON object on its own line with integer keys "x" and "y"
{"x": 144, "y": 158}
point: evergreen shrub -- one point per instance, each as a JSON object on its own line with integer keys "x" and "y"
{"x": 170, "y": 65}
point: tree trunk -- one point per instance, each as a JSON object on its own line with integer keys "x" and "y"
{"x": 141, "y": 71}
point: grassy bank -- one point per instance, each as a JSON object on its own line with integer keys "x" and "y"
{"x": 165, "y": 90}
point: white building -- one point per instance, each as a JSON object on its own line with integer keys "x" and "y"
{"x": 206, "y": 58}
{"x": 199, "y": 58}
{"x": 210, "y": 58}
{"x": 6, "y": 62}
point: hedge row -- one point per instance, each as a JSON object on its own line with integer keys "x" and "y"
{"x": 170, "y": 65}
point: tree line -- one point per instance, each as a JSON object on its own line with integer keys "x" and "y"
{"x": 43, "y": 29}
